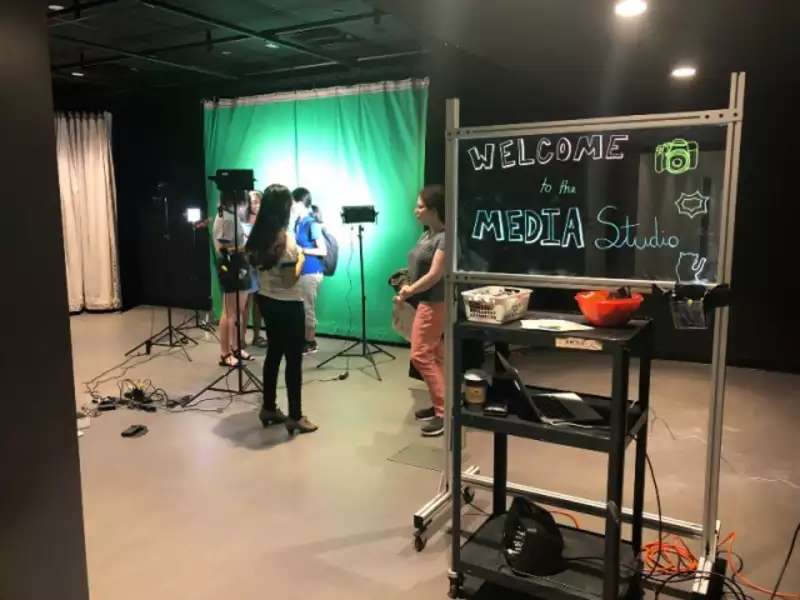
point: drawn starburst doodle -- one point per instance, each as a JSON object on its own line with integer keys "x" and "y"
{"x": 692, "y": 204}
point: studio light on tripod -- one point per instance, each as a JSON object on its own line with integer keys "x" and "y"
{"x": 364, "y": 213}
{"x": 358, "y": 215}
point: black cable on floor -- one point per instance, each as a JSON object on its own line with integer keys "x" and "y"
{"x": 785, "y": 562}
{"x": 656, "y": 563}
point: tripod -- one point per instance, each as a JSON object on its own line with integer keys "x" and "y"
{"x": 244, "y": 375}
{"x": 194, "y": 321}
{"x": 368, "y": 349}
{"x": 175, "y": 338}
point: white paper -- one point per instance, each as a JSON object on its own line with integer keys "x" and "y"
{"x": 553, "y": 325}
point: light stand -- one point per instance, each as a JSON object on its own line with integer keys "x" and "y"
{"x": 194, "y": 217}
{"x": 368, "y": 350}
{"x": 237, "y": 181}
{"x": 171, "y": 336}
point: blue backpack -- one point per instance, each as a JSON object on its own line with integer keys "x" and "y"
{"x": 331, "y": 258}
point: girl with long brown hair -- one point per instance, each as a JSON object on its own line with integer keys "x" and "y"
{"x": 274, "y": 251}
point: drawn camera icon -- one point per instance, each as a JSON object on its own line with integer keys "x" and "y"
{"x": 677, "y": 156}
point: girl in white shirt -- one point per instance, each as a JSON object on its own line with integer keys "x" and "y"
{"x": 280, "y": 262}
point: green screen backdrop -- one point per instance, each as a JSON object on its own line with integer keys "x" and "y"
{"x": 363, "y": 144}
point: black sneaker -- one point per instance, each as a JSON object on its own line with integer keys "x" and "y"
{"x": 425, "y": 414}
{"x": 271, "y": 417}
{"x": 310, "y": 348}
{"x": 433, "y": 428}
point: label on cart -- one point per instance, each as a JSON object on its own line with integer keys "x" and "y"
{"x": 573, "y": 343}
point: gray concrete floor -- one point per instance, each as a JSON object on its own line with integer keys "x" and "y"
{"x": 209, "y": 505}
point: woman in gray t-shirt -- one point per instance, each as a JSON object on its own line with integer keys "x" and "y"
{"x": 425, "y": 269}
{"x": 229, "y": 241}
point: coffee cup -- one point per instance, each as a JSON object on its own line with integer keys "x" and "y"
{"x": 476, "y": 383}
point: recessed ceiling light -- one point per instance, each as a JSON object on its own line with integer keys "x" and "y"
{"x": 55, "y": 7}
{"x": 684, "y": 72}
{"x": 272, "y": 45}
{"x": 226, "y": 52}
{"x": 630, "y": 8}
{"x": 78, "y": 74}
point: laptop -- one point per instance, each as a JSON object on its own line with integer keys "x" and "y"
{"x": 554, "y": 408}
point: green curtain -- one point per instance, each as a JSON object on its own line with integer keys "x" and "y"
{"x": 357, "y": 145}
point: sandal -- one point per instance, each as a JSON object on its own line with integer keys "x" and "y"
{"x": 243, "y": 354}
{"x": 228, "y": 360}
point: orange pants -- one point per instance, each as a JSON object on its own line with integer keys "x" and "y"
{"x": 427, "y": 350}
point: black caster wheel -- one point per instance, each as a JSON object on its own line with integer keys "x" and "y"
{"x": 419, "y": 543}
{"x": 455, "y": 585}
{"x": 468, "y": 494}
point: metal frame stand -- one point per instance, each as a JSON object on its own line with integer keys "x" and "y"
{"x": 716, "y": 411}
{"x": 708, "y": 531}
{"x": 368, "y": 349}
{"x": 176, "y": 338}
{"x": 441, "y": 501}
{"x": 204, "y": 324}
{"x": 244, "y": 377}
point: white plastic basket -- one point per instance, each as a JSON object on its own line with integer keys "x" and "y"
{"x": 495, "y": 304}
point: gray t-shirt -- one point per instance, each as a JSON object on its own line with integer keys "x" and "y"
{"x": 223, "y": 232}
{"x": 419, "y": 263}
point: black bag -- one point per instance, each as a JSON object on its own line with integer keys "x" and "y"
{"x": 233, "y": 272}
{"x": 532, "y": 542}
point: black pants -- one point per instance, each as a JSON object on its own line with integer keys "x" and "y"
{"x": 285, "y": 324}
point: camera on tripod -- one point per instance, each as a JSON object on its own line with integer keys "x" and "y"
{"x": 233, "y": 180}
{"x": 677, "y": 156}
{"x": 234, "y": 275}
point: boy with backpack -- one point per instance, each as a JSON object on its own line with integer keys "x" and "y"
{"x": 310, "y": 237}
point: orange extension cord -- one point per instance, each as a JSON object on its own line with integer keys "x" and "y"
{"x": 569, "y": 516}
{"x": 673, "y": 557}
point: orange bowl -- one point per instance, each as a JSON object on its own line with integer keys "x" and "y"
{"x": 601, "y": 311}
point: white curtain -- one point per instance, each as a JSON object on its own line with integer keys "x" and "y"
{"x": 88, "y": 209}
